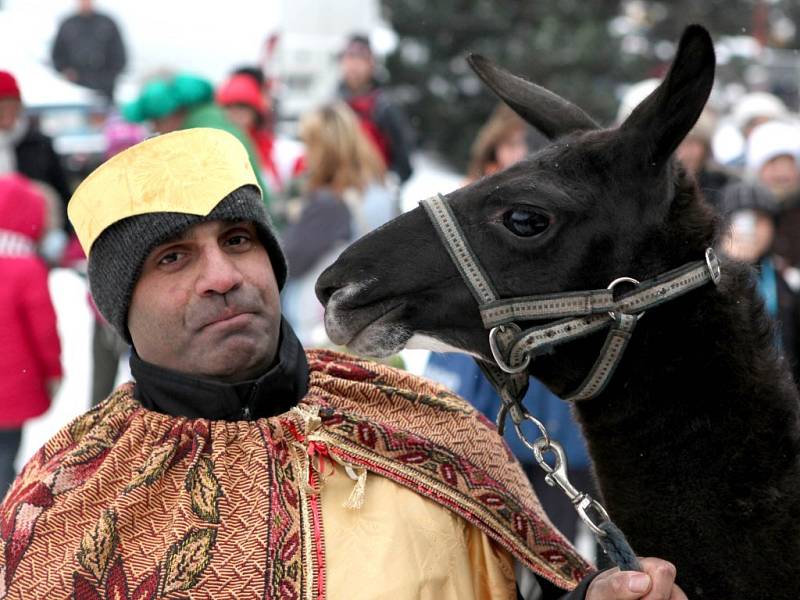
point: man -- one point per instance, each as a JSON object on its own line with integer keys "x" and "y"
{"x": 239, "y": 466}
{"x": 88, "y": 50}
{"x": 382, "y": 121}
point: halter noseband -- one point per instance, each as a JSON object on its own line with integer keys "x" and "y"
{"x": 577, "y": 314}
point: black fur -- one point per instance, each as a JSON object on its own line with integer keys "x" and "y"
{"x": 695, "y": 440}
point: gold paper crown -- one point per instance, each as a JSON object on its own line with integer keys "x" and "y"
{"x": 187, "y": 171}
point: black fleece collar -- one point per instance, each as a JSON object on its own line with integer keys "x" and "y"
{"x": 178, "y": 394}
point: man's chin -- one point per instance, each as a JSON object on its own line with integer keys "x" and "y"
{"x": 239, "y": 357}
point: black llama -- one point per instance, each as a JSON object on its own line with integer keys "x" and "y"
{"x": 695, "y": 438}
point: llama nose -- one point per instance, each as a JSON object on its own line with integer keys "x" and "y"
{"x": 326, "y": 285}
{"x": 324, "y": 293}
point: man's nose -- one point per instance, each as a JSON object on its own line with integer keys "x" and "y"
{"x": 219, "y": 273}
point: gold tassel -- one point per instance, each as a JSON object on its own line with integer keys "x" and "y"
{"x": 356, "y": 499}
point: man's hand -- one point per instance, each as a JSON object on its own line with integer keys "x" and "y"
{"x": 656, "y": 583}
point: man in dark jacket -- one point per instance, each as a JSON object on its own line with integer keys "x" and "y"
{"x": 88, "y": 50}
{"x": 382, "y": 120}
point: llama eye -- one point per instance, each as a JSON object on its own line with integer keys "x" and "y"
{"x": 525, "y": 223}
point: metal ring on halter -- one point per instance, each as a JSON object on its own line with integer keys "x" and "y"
{"x": 614, "y": 284}
{"x": 542, "y": 442}
{"x": 713, "y": 265}
{"x": 498, "y": 356}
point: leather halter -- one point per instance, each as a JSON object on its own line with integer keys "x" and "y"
{"x": 577, "y": 314}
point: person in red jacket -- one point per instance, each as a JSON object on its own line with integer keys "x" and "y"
{"x": 245, "y": 103}
{"x": 30, "y": 365}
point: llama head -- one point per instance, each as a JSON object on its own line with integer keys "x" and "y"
{"x": 593, "y": 205}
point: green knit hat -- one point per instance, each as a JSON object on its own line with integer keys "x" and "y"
{"x": 162, "y": 97}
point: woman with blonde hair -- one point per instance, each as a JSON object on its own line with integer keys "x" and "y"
{"x": 345, "y": 197}
{"x": 501, "y": 142}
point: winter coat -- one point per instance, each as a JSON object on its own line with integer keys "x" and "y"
{"x": 787, "y": 312}
{"x": 92, "y": 46}
{"x": 37, "y": 160}
{"x": 461, "y": 374}
{"x": 29, "y": 344}
{"x": 327, "y": 224}
{"x": 386, "y": 126}
{"x": 787, "y": 239}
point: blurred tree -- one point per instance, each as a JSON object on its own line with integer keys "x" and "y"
{"x": 565, "y": 46}
{"x": 585, "y": 51}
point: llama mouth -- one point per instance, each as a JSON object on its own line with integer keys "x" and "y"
{"x": 371, "y": 329}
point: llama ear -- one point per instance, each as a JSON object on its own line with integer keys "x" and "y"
{"x": 546, "y": 111}
{"x": 664, "y": 118}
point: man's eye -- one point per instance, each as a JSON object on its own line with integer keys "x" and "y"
{"x": 169, "y": 258}
{"x": 237, "y": 240}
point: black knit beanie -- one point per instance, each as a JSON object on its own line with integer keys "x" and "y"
{"x": 118, "y": 254}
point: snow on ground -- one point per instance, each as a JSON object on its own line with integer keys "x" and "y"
{"x": 430, "y": 177}
{"x": 75, "y": 321}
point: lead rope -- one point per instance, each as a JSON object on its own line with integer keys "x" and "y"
{"x": 590, "y": 511}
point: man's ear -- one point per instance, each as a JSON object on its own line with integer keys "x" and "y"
{"x": 663, "y": 119}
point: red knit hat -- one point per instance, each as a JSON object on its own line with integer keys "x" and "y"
{"x": 242, "y": 89}
{"x": 8, "y": 86}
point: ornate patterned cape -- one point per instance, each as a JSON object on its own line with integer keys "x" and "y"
{"x": 126, "y": 503}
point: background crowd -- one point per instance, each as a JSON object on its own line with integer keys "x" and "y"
{"x": 337, "y": 171}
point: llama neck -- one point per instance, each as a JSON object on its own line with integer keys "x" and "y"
{"x": 703, "y": 355}
{"x": 697, "y": 433}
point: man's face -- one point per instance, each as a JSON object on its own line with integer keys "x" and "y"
{"x": 357, "y": 68}
{"x": 9, "y": 113}
{"x": 207, "y": 304}
{"x": 781, "y": 175}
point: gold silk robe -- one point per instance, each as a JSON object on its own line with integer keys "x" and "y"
{"x": 377, "y": 485}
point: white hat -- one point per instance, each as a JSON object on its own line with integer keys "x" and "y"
{"x": 770, "y": 140}
{"x": 757, "y": 104}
